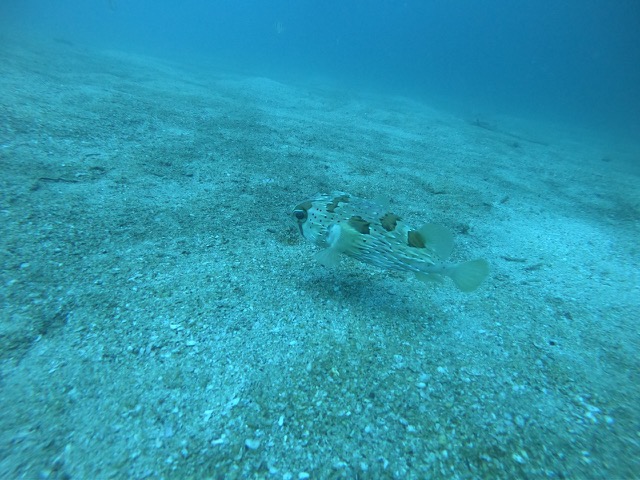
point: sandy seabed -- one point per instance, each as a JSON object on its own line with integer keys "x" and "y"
{"x": 161, "y": 317}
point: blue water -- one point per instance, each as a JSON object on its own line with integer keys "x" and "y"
{"x": 574, "y": 60}
{"x": 162, "y": 317}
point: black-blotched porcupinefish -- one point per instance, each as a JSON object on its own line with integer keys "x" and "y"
{"x": 366, "y": 231}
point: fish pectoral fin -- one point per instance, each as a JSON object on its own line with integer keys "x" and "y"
{"x": 341, "y": 239}
{"x": 329, "y": 257}
{"x": 429, "y": 277}
{"x": 469, "y": 275}
{"x": 437, "y": 238}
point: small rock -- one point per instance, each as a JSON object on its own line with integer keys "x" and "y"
{"x": 521, "y": 459}
{"x": 252, "y": 443}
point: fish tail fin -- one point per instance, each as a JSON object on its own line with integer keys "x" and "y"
{"x": 469, "y": 275}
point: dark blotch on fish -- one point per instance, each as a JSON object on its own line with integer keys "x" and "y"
{"x": 359, "y": 224}
{"x": 389, "y": 221}
{"x": 331, "y": 207}
{"x": 414, "y": 239}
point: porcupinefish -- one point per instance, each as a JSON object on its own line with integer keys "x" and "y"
{"x": 366, "y": 231}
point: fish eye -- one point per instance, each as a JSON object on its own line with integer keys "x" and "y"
{"x": 300, "y": 214}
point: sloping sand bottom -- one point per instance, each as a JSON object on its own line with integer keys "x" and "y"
{"x": 162, "y": 317}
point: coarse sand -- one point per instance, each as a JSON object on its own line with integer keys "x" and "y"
{"x": 161, "y": 317}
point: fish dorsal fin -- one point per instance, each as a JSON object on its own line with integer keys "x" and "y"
{"x": 437, "y": 238}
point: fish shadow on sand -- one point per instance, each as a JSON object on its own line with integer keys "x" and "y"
{"x": 383, "y": 295}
